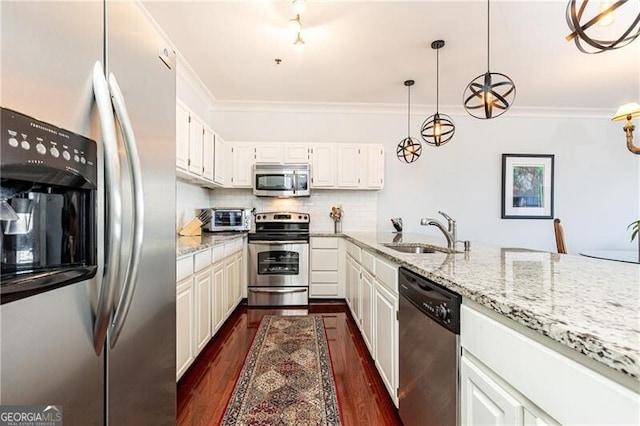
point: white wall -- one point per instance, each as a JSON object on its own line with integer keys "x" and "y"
{"x": 597, "y": 190}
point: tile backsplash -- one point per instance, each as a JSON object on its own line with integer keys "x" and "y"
{"x": 359, "y": 207}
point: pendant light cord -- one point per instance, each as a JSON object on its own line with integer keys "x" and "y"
{"x": 409, "y": 113}
{"x": 437, "y": 80}
{"x": 488, "y": 26}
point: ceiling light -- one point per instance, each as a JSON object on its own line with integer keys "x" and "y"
{"x": 295, "y": 25}
{"x": 409, "y": 149}
{"x": 628, "y": 111}
{"x": 299, "y": 42}
{"x": 299, "y": 6}
{"x": 491, "y": 94}
{"x": 574, "y": 15}
{"x": 607, "y": 16}
{"x": 437, "y": 129}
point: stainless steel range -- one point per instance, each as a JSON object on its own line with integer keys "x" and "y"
{"x": 279, "y": 260}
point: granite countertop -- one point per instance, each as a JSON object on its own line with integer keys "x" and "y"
{"x": 186, "y": 245}
{"x": 589, "y": 305}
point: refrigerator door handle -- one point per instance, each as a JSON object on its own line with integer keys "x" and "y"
{"x": 113, "y": 220}
{"x": 131, "y": 275}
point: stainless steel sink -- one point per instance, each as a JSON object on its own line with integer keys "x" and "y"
{"x": 413, "y": 248}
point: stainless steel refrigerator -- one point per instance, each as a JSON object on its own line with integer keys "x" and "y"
{"x": 54, "y": 348}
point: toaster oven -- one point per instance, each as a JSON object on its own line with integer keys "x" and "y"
{"x": 229, "y": 219}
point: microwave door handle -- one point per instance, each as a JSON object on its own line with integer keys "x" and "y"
{"x": 133, "y": 159}
{"x": 295, "y": 181}
{"x": 113, "y": 219}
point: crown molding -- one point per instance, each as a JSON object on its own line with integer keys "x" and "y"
{"x": 401, "y": 109}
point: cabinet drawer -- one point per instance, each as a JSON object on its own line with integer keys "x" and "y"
{"x": 353, "y": 251}
{"x": 218, "y": 253}
{"x": 387, "y": 274}
{"x": 324, "y": 277}
{"x": 324, "y": 260}
{"x": 324, "y": 243}
{"x": 184, "y": 267}
{"x": 319, "y": 290}
{"x": 202, "y": 259}
{"x": 368, "y": 261}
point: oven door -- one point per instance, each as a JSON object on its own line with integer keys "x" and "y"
{"x": 279, "y": 264}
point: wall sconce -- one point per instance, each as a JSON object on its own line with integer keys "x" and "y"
{"x": 628, "y": 111}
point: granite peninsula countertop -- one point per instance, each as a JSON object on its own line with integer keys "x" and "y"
{"x": 589, "y": 305}
{"x": 186, "y": 245}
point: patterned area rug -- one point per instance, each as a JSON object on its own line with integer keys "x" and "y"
{"x": 287, "y": 377}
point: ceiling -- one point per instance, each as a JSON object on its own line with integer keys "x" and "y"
{"x": 360, "y": 52}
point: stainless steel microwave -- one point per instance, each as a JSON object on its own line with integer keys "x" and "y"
{"x": 229, "y": 219}
{"x": 281, "y": 180}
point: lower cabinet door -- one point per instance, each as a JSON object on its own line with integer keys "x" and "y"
{"x": 386, "y": 338}
{"x": 203, "y": 284}
{"x": 185, "y": 341}
{"x": 484, "y": 401}
{"x": 218, "y": 295}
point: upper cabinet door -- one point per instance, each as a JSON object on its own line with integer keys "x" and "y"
{"x": 182, "y": 137}
{"x": 348, "y": 165}
{"x": 207, "y": 154}
{"x": 268, "y": 153}
{"x": 242, "y": 159}
{"x": 296, "y": 153}
{"x": 219, "y": 173}
{"x": 196, "y": 133}
{"x": 375, "y": 166}
{"x": 323, "y": 170}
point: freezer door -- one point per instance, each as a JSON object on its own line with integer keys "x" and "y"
{"x": 47, "y": 357}
{"x": 141, "y": 383}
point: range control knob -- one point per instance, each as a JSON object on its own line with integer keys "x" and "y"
{"x": 443, "y": 313}
{"x": 13, "y": 142}
{"x": 25, "y": 145}
{"x": 41, "y": 149}
{"x": 54, "y": 152}
{"x": 66, "y": 155}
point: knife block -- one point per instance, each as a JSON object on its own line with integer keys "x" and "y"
{"x": 192, "y": 228}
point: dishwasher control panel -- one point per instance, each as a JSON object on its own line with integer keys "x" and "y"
{"x": 440, "y": 304}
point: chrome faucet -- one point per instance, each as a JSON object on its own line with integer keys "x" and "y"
{"x": 449, "y": 232}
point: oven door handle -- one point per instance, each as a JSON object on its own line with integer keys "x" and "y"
{"x": 279, "y": 243}
{"x": 294, "y": 290}
{"x": 113, "y": 226}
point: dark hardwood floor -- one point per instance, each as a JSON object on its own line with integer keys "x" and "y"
{"x": 205, "y": 388}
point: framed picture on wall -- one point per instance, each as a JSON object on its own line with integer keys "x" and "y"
{"x": 527, "y": 186}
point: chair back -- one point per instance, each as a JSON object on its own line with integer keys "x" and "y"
{"x": 560, "y": 240}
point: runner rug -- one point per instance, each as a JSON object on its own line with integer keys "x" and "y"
{"x": 287, "y": 377}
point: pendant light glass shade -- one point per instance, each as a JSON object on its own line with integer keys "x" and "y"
{"x": 491, "y": 94}
{"x": 587, "y": 44}
{"x": 409, "y": 149}
{"x": 437, "y": 129}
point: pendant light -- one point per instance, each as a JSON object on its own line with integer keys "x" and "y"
{"x": 409, "y": 149}
{"x": 491, "y": 94}
{"x": 437, "y": 129}
{"x": 606, "y": 13}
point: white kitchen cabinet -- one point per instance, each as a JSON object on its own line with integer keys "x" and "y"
{"x": 348, "y": 166}
{"x": 185, "y": 340}
{"x": 367, "y": 287}
{"x": 296, "y": 153}
{"x": 374, "y": 170}
{"x": 323, "y": 166}
{"x": 202, "y": 296}
{"x": 551, "y": 386}
{"x": 219, "y": 158}
{"x": 325, "y": 268}
{"x": 485, "y": 402}
{"x": 208, "y": 290}
{"x": 217, "y": 302}
{"x": 208, "y": 146}
{"x": 182, "y": 138}
{"x": 267, "y": 152}
{"x": 196, "y": 133}
{"x": 353, "y": 286}
{"x": 386, "y": 337}
{"x": 242, "y": 160}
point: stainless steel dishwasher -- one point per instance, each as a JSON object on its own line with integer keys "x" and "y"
{"x": 429, "y": 327}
